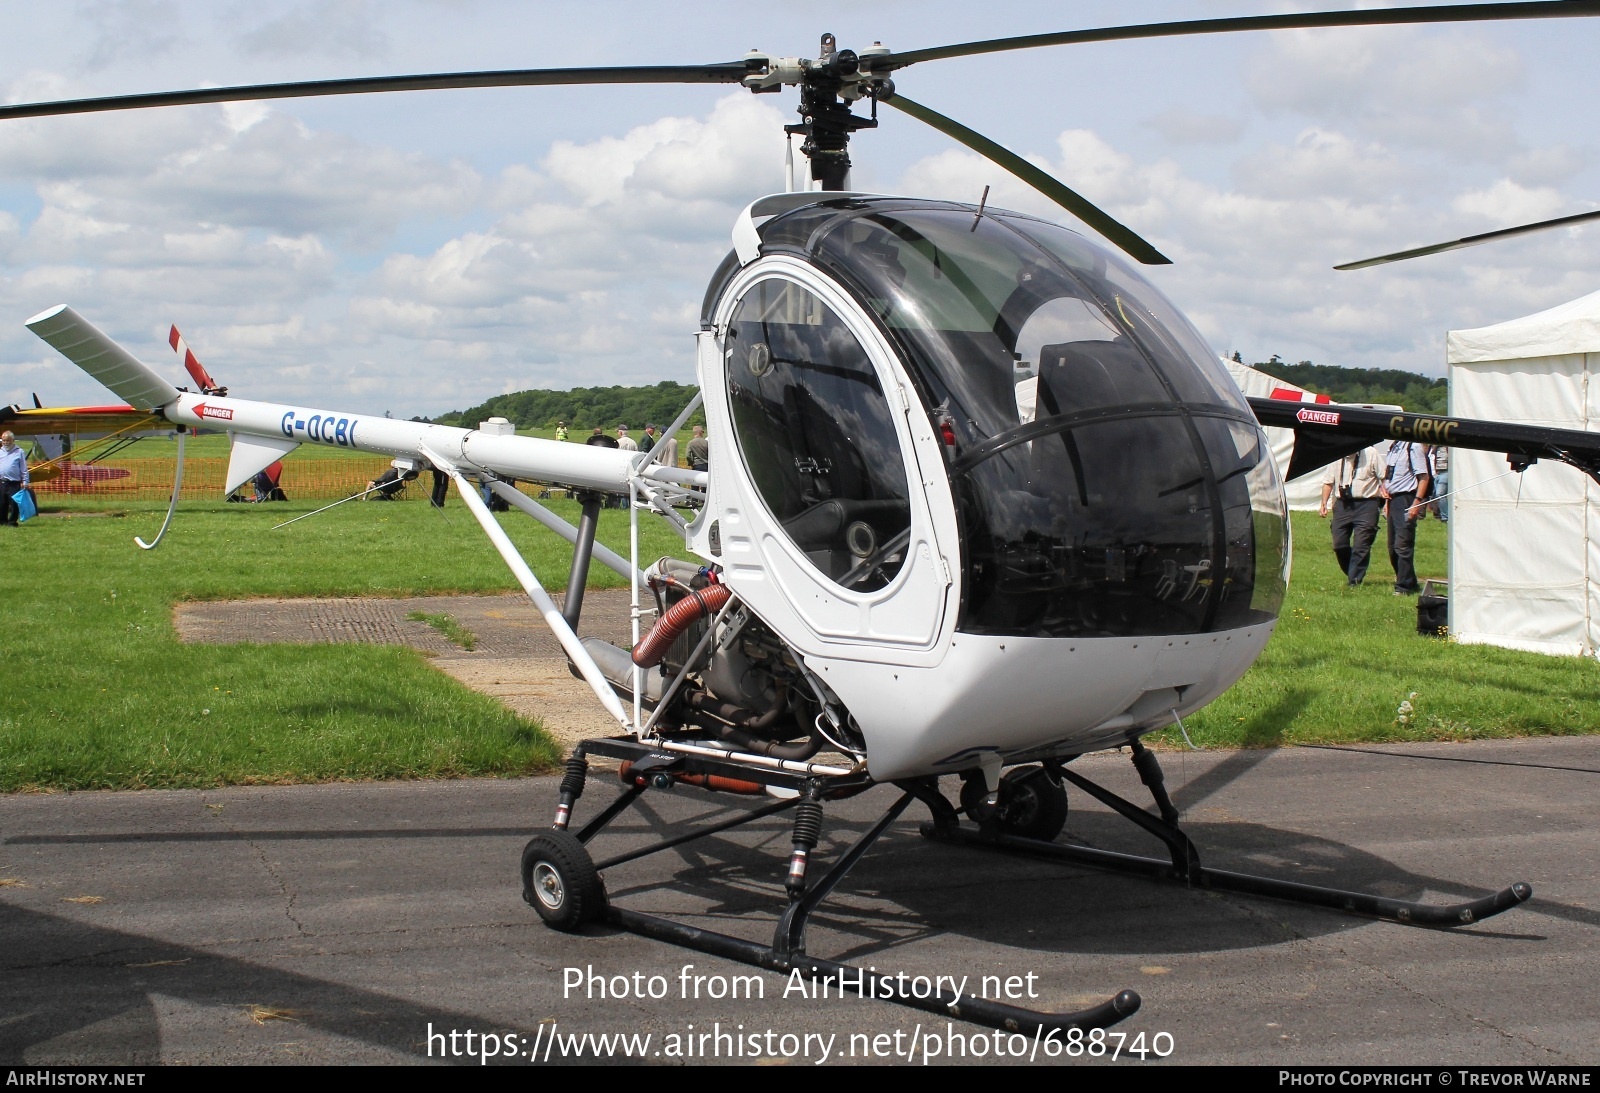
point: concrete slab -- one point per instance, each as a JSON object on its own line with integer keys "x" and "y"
{"x": 344, "y": 922}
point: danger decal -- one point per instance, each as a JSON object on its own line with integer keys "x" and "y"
{"x": 219, "y": 413}
{"x": 1317, "y": 417}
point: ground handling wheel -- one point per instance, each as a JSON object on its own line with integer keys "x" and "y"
{"x": 1031, "y": 805}
{"x": 559, "y": 881}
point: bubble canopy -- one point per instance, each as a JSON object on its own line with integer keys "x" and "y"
{"x": 1108, "y": 476}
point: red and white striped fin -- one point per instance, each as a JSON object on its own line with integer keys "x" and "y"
{"x": 1295, "y": 394}
{"x": 191, "y": 363}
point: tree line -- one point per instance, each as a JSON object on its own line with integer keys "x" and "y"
{"x": 584, "y": 408}
{"x": 1419, "y": 394}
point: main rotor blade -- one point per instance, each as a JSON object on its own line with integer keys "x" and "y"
{"x": 1075, "y": 203}
{"x": 1459, "y": 13}
{"x": 729, "y": 72}
{"x": 1470, "y": 241}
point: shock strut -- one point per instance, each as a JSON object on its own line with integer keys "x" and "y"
{"x": 1144, "y": 761}
{"x": 571, "y": 788}
{"x": 807, "y": 833}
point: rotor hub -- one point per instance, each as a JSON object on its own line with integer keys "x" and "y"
{"x": 828, "y": 84}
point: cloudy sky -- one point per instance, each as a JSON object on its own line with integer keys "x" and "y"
{"x": 419, "y": 252}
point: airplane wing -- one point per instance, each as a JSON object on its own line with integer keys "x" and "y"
{"x": 91, "y": 425}
{"x": 76, "y": 420}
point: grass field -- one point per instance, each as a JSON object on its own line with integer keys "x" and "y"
{"x": 1344, "y": 660}
{"x": 98, "y": 693}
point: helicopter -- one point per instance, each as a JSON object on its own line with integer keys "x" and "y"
{"x": 980, "y": 501}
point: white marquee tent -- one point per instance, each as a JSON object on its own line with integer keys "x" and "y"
{"x": 1525, "y": 549}
{"x": 1304, "y": 492}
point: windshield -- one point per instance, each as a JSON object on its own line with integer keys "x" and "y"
{"x": 1109, "y": 476}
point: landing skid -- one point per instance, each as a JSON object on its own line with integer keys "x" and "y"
{"x": 1183, "y": 864}
{"x": 564, "y": 883}
{"x": 555, "y": 877}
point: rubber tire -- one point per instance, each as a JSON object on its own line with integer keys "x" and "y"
{"x": 559, "y": 881}
{"x": 973, "y": 791}
{"x": 1031, "y": 805}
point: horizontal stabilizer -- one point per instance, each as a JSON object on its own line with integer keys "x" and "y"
{"x": 253, "y": 454}
{"x": 81, "y": 343}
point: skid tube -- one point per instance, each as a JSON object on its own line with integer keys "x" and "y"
{"x": 1184, "y": 864}
{"x": 656, "y": 768}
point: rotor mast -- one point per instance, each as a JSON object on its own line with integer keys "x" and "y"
{"x": 829, "y": 85}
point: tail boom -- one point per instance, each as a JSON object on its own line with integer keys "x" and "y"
{"x": 281, "y": 427}
{"x": 522, "y": 457}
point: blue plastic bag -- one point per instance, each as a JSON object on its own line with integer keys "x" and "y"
{"x": 26, "y": 509}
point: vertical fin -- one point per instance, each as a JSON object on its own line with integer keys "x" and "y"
{"x": 253, "y": 454}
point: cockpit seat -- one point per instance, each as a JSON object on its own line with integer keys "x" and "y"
{"x": 822, "y": 526}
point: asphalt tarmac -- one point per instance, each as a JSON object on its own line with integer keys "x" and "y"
{"x": 369, "y": 922}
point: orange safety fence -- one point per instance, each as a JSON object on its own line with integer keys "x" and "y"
{"x": 203, "y": 479}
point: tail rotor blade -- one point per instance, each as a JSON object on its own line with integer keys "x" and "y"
{"x": 1074, "y": 202}
{"x": 191, "y": 363}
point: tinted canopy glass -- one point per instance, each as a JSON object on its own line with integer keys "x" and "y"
{"x": 816, "y": 433}
{"x": 1109, "y": 477}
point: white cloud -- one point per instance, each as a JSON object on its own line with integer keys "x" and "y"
{"x": 1433, "y": 89}
{"x": 242, "y": 227}
{"x": 573, "y": 275}
{"x": 86, "y": 147}
{"x": 200, "y": 164}
{"x": 129, "y": 29}
{"x": 1184, "y": 126}
{"x": 335, "y": 28}
{"x": 1326, "y": 163}
{"x": 1507, "y": 204}
{"x": 1253, "y": 260}
{"x": 1549, "y": 166}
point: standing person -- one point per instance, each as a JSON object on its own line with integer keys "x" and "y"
{"x": 648, "y": 441}
{"x": 1441, "y": 482}
{"x": 1405, "y": 486}
{"x": 600, "y": 440}
{"x": 624, "y": 441}
{"x": 699, "y": 450}
{"x": 13, "y": 479}
{"x": 561, "y": 430}
{"x": 668, "y": 456}
{"x": 1354, "y": 486}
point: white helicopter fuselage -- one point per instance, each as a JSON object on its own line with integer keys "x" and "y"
{"x": 928, "y": 698}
